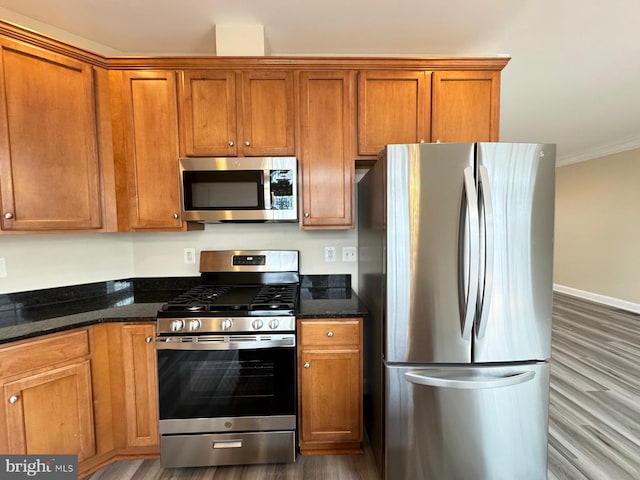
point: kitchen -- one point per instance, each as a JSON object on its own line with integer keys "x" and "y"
{"x": 42, "y": 261}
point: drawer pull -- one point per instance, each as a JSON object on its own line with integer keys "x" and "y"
{"x": 227, "y": 444}
{"x": 330, "y": 334}
{"x": 306, "y": 365}
{"x": 13, "y": 399}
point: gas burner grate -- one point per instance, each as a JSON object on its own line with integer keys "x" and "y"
{"x": 275, "y": 297}
{"x": 198, "y": 298}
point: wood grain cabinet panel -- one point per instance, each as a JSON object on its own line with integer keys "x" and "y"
{"x": 466, "y": 106}
{"x": 268, "y": 120}
{"x": 228, "y": 113}
{"x": 393, "y": 107}
{"x": 147, "y": 149}
{"x": 327, "y": 154}
{"x": 330, "y": 386}
{"x": 208, "y": 113}
{"x": 140, "y": 385}
{"x": 48, "y": 407}
{"x": 49, "y": 156}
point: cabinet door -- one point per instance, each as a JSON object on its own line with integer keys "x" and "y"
{"x": 151, "y": 149}
{"x": 466, "y": 106}
{"x": 327, "y": 158}
{"x": 267, "y": 126}
{"x": 393, "y": 107}
{"x": 331, "y": 396}
{"x": 208, "y": 113}
{"x": 141, "y": 385}
{"x": 49, "y": 164}
{"x": 51, "y": 412}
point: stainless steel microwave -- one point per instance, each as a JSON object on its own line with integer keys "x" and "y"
{"x": 239, "y": 189}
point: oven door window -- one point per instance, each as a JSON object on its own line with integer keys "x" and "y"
{"x": 224, "y": 190}
{"x": 229, "y": 383}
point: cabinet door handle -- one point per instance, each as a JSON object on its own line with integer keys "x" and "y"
{"x": 306, "y": 214}
{"x": 231, "y": 143}
{"x": 330, "y": 334}
{"x": 247, "y": 143}
{"x": 306, "y": 365}
{"x": 176, "y": 216}
{"x": 8, "y": 215}
{"x": 13, "y": 399}
{"x": 148, "y": 339}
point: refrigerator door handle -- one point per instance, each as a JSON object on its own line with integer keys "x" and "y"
{"x": 450, "y": 378}
{"x": 473, "y": 255}
{"x": 489, "y": 249}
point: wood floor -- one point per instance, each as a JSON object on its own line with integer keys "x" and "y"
{"x": 594, "y": 418}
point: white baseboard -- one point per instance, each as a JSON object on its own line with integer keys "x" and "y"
{"x": 595, "y": 297}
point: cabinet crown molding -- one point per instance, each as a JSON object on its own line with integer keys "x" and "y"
{"x": 22, "y": 34}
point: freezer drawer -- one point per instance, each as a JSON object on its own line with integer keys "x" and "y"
{"x": 480, "y": 423}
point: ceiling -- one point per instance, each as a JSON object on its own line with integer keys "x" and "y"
{"x": 573, "y": 78}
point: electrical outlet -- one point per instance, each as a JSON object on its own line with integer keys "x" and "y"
{"x": 189, "y": 255}
{"x": 329, "y": 254}
{"x": 3, "y": 267}
{"x": 349, "y": 254}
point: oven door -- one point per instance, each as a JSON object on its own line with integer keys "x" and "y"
{"x": 226, "y": 383}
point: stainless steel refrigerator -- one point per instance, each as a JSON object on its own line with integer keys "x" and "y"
{"x": 455, "y": 266}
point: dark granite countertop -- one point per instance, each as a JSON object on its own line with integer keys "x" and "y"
{"x": 30, "y": 314}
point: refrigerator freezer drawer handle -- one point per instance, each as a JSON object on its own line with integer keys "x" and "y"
{"x": 471, "y": 382}
{"x": 474, "y": 253}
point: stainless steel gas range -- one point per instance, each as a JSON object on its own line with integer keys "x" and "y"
{"x": 226, "y": 353}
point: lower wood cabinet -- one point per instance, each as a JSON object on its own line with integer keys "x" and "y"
{"x": 124, "y": 378}
{"x": 48, "y": 404}
{"x": 330, "y": 386}
{"x": 140, "y": 385}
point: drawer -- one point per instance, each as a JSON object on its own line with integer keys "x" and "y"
{"x": 329, "y": 333}
{"x": 43, "y": 351}
{"x": 206, "y": 449}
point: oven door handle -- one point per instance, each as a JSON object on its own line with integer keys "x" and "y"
{"x": 208, "y": 343}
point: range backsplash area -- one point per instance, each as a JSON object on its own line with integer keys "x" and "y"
{"x": 37, "y": 262}
{"x": 20, "y": 308}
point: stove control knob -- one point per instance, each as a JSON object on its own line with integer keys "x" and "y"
{"x": 273, "y": 324}
{"x": 257, "y": 324}
{"x": 194, "y": 325}
{"x": 177, "y": 325}
{"x": 226, "y": 324}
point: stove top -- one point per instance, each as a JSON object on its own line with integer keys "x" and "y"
{"x": 246, "y": 285}
{"x": 212, "y": 299}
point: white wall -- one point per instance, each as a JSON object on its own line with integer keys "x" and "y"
{"x": 43, "y": 261}
{"x": 598, "y": 229}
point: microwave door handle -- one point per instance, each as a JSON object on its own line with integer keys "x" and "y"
{"x": 266, "y": 182}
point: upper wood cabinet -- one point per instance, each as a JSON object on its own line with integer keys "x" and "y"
{"x": 326, "y": 153}
{"x": 50, "y": 165}
{"x": 393, "y": 107}
{"x": 465, "y": 106}
{"x": 146, "y": 148}
{"x": 226, "y": 113}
